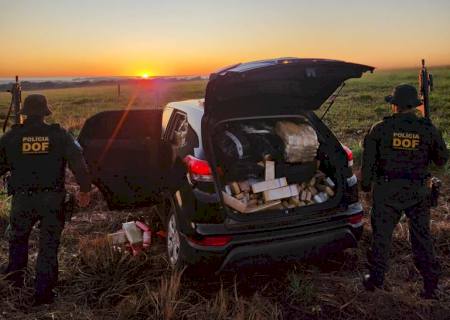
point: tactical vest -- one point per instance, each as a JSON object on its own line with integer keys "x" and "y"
{"x": 404, "y": 148}
{"x": 35, "y": 154}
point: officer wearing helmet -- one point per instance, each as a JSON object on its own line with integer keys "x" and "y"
{"x": 396, "y": 156}
{"x": 36, "y": 155}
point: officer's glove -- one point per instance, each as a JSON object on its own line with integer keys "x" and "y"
{"x": 83, "y": 199}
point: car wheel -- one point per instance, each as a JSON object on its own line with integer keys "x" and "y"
{"x": 173, "y": 241}
{"x": 176, "y": 248}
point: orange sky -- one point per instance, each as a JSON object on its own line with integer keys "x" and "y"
{"x": 111, "y": 37}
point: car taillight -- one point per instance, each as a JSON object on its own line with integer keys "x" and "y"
{"x": 355, "y": 219}
{"x": 349, "y": 155}
{"x": 199, "y": 170}
{"x": 212, "y": 241}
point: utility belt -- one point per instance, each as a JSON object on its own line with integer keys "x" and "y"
{"x": 434, "y": 184}
{"x": 68, "y": 205}
{"x": 31, "y": 191}
{"x": 413, "y": 177}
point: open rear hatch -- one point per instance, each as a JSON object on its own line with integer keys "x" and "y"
{"x": 280, "y": 93}
{"x": 275, "y": 87}
{"x": 126, "y": 156}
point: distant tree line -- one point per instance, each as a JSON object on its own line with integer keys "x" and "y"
{"x": 38, "y": 85}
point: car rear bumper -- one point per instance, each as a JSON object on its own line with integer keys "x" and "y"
{"x": 290, "y": 249}
{"x": 281, "y": 245}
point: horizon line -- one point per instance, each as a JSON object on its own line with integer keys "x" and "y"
{"x": 193, "y": 75}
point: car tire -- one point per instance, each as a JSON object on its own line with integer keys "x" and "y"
{"x": 173, "y": 243}
{"x": 175, "y": 248}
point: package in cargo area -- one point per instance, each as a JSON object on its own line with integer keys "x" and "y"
{"x": 300, "y": 141}
{"x": 268, "y": 185}
{"x": 248, "y": 142}
{"x": 232, "y": 144}
{"x": 296, "y": 173}
{"x": 281, "y": 193}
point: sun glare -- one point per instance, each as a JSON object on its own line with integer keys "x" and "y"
{"x": 145, "y": 75}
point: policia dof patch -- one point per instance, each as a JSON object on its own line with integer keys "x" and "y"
{"x": 35, "y": 145}
{"x": 405, "y": 141}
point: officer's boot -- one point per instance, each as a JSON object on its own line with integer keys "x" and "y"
{"x": 371, "y": 282}
{"x": 44, "y": 293}
{"x": 42, "y": 299}
{"x": 17, "y": 265}
{"x": 430, "y": 289}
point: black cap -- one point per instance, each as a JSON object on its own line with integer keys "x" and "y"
{"x": 36, "y": 105}
{"x": 404, "y": 96}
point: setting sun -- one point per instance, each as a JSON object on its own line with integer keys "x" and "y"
{"x": 145, "y": 76}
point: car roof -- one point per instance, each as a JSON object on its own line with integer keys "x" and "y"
{"x": 192, "y": 106}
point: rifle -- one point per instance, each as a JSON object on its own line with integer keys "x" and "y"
{"x": 14, "y": 106}
{"x": 426, "y": 86}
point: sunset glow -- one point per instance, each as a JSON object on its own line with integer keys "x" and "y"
{"x": 111, "y": 37}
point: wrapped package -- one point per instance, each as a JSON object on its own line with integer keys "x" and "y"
{"x": 233, "y": 145}
{"x": 300, "y": 141}
{"x": 297, "y": 173}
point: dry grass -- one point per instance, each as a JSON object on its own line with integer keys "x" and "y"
{"x": 99, "y": 283}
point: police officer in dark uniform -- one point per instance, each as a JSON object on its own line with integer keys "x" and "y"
{"x": 396, "y": 156}
{"x": 36, "y": 155}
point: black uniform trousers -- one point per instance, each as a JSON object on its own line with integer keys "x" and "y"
{"x": 390, "y": 201}
{"x": 27, "y": 209}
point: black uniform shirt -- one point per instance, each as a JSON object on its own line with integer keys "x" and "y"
{"x": 36, "y": 154}
{"x": 401, "y": 146}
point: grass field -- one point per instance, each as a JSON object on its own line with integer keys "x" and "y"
{"x": 96, "y": 283}
{"x": 73, "y": 105}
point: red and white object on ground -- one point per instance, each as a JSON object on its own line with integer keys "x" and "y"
{"x": 135, "y": 236}
{"x": 146, "y": 234}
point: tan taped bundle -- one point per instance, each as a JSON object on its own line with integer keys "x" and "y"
{"x": 300, "y": 141}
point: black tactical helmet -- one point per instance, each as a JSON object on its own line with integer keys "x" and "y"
{"x": 404, "y": 96}
{"x": 36, "y": 105}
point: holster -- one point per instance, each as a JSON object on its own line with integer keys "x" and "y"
{"x": 69, "y": 206}
{"x": 435, "y": 191}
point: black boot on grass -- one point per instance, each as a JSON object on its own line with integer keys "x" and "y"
{"x": 370, "y": 283}
{"x": 44, "y": 299}
{"x": 430, "y": 290}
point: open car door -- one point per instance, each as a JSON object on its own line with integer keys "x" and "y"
{"x": 126, "y": 156}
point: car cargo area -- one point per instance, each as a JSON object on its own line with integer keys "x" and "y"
{"x": 271, "y": 164}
